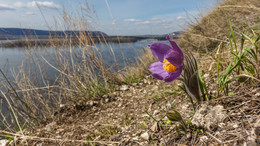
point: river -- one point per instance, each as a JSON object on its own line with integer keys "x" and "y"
{"x": 11, "y": 60}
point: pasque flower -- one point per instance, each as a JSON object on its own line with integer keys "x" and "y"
{"x": 170, "y": 62}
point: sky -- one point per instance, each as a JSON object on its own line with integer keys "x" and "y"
{"x": 114, "y": 17}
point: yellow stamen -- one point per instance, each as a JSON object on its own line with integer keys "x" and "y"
{"x": 168, "y": 66}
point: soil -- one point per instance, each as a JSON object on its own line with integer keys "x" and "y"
{"x": 136, "y": 115}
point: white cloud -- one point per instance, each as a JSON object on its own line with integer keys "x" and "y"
{"x": 180, "y": 17}
{"x": 30, "y": 13}
{"x": 142, "y": 22}
{"x": 19, "y": 4}
{"x": 130, "y": 20}
{"x": 44, "y": 4}
{"x": 136, "y": 21}
{"x": 36, "y": 4}
{"x": 4, "y": 7}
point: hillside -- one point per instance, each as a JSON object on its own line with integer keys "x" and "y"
{"x": 136, "y": 109}
{"x": 22, "y": 32}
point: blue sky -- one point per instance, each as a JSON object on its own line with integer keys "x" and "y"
{"x": 114, "y": 17}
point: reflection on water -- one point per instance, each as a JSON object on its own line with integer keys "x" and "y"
{"x": 11, "y": 60}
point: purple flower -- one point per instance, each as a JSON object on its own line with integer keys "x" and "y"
{"x": 170, "y": 62}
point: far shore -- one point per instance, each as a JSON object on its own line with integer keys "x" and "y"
{"x": 17, "y": 42}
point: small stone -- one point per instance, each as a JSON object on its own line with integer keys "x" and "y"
{"x": 145, "y": 136}
{"x": 209, "y": 116}
{"x": 145, "y": 115}
{"x": 235, "y": 126}
{"x": 105, "y": 96}
{"x": 135, "y": 138}
{"x": 205, "y": 76}
{"x": 4, "y": 142}
{"x": 155, "y": 87}
{"x": 155, "y": 127}
{"x": 58, "y": 137}
{"x": 49, "y": 126}
{"x": 62, "y": 105}
{"x": 169, "y": 106}
{"x": 140, "y": 84}
{"x": 97, "y": 123}
{"x": 214, "y": 92}
{"x": 95, "y": 103}
{"x": 123, "y": 88}
{"x": 221, "y": 125}
{"x": 143, "y": 91}
{"x": 204, "y": 139}
{"x": 107, "y": 100}
{"x": 145, "y": 81}
{"x": 91, "y": 103}
{"x": 134, "y": 84}
{"x": 257, "y": 94}
{"x": 155, "y": 112}
{"x": 188, "y": 135}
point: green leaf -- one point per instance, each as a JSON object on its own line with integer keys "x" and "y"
{"x": 174, "y": 116}
{"x": 233, "y": 35}
{"x": 182, "y": 127}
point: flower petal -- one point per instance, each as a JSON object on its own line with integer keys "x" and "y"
{"x": 159, "y": 50}
{"x": 173, "y": 75}
{"x": 158, "y": 71}
{"x": 175, "y": 46}
{"x": 174, "y": 58}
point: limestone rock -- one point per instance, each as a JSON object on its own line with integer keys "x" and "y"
{"x": 123, "y": 88}
{"x": 208, "y": 116}
{"x": 4, "y": 142}
{"x": 145, "y": 136}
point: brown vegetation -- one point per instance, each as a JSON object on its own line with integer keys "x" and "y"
{"x": 127, "y": 114}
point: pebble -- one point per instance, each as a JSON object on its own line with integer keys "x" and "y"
{"x": 235, "y": 126}
{"x": 204, "y": 138}
{"x": 155, "y": 127}
{"x": 205, "y": 75}
{"x": 107, "y": 100}
{"x": 155, "y": 112}
{"x": 169, "y": 106}
{"x": 155, "y": 87}
{"x": 105, "y": 96}
{"x": 4, "y": 142}
{"x": 123, "y": 88}
{"x": 134, "y": 84}
{"x": 49, "y": 126}
{"x": 145, "y": 136}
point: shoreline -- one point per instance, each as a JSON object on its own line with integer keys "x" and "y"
{"x": 59, "y": 41}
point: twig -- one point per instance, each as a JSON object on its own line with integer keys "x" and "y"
{"x": 219, "y": 141}
{"x": 39, "y": 88}
{"x": 15, "y": 116}
{"x": 54, "y": 139}
{"x": 238, "y": 105}
{"x": 236, "y": 6}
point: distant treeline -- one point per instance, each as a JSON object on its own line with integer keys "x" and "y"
{"x": 20, "y": 37}
{"x": 12, "y": 33}
{"x": 58, "y": 41}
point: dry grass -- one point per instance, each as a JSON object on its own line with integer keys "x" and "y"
{"x": 82, "y": 75}
{"x": 85, "y": 75}
{"x": 213, "y": 29}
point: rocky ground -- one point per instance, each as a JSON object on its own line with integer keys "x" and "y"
{"x": 136, "y": 115}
